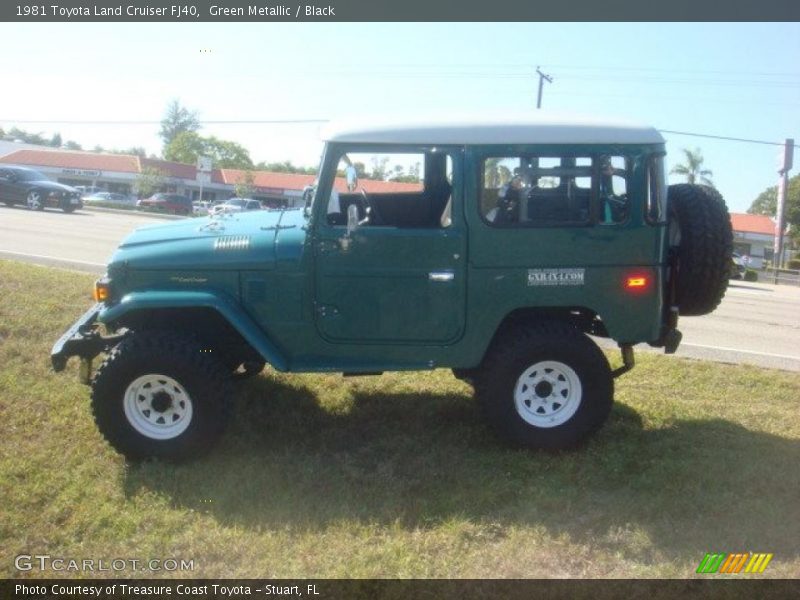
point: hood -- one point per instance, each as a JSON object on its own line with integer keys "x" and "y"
{"x": 247, "y": 240}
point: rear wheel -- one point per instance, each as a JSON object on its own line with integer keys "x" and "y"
{"x": 159, "y": 395}
{"x": 546, "y": 386}
{"x": 701, "y": 237}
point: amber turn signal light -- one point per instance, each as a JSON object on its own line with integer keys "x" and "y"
{"x": 101, "y": 291}
{"x": 636, "y": 282}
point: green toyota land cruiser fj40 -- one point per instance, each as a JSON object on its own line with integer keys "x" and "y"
{"x": 493, "y": 248}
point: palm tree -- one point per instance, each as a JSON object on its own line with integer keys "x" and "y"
{"x": 693, "y": 168}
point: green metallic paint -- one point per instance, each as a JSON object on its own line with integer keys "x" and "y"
{"x": 307, "y": 304}
{"x": 229, "y": 309}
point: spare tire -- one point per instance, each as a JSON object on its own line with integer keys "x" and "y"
{"x": 702, "y": 241}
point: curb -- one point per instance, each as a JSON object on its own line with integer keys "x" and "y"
{"x": 138, "y": 213}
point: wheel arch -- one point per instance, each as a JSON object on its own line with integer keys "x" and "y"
{"x": 582, "y": 318}
{"x": 207, "y": 314}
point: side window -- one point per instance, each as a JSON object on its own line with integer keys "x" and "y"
{"x": 402, "y": 190}
{"x": 541, "y": 190}
{"x": 612, "y": 186}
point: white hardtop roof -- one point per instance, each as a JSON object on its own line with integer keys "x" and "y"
{"x": 529, "y": 128}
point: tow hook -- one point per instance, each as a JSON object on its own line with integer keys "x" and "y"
{"x": 628, "y": 361}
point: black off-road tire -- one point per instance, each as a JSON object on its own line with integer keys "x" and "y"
{"x": 156, "y": 358}
{"x": 704, "y": 246}
{"x": 545, "y": 351}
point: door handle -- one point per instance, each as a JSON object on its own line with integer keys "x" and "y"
{"x": 441, "y": 276}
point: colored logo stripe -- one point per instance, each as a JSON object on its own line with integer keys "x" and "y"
{"x": 710, "y": 563}
{"x": 758, "y": 563}
{"x": 733, "y": 563}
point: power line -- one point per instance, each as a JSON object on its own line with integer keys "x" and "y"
{"x": 289, "y": 121}
{"x": 697, "y": 71}
{"x": 723, "y": 137}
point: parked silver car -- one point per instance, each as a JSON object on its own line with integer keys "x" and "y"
{"x": 235, "y": 205}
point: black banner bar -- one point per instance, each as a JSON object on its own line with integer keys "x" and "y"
{"x": 392, "y": 589}
{"x": 292, "y": 11}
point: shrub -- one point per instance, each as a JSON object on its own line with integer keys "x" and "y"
{"x": 793, "y": 263}
{"x": 751, "y": 275}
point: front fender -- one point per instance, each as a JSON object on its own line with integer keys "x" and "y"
{"x": 230, "y": 311}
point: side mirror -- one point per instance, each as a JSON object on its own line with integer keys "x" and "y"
{"x": 352, "y": 218}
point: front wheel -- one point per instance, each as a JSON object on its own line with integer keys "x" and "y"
{"x": 545, "y": 386}
{"x": 35, "y": 200}
{"x": 158, "y": 395}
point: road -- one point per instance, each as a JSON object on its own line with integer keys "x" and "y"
{"x": 83, "y": 240}
{"x": 756, "y": 323}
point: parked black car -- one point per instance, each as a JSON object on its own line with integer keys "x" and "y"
{"x": 21, "y": 185}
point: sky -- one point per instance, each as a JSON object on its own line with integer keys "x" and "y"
{"x": 731, "y": 79}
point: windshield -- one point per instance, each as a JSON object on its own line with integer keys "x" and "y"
{"x": 30, "y": 175}
{"x": 236, "y": 202}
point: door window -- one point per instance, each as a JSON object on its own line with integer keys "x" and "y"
{"x": 401, "y": 190}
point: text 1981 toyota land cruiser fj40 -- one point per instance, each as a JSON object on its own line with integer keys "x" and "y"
{"x": 502, "y": 245}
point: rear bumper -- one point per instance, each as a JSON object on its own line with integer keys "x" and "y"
{"x": 81, "y": 339}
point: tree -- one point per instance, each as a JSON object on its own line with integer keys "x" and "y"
{"x": 379, "y": 168}
{"x": 133, "y": 150}
{"x": 188, "y": 145}
{"x": 56, "y": 140}
{"x": 693, "y": 168}
{"x": 227, "y": 154}
{"x": 285, "y": 167}
{"x": 245, "y": 186}
{"x": 411, "y": 177}
{"x": 148, "y": 182}
{"x": 70, "y": 145}
{"x": 178, "y": 119}
{"x": 29, "y": 138}
{"x": 767, "y": 204}
{"x": 185, "y": 147}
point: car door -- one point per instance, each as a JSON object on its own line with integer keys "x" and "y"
{"x": 392, "y": 284}
{"x": 6, "y": 194}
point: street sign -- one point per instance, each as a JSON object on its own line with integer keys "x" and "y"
{"x": 203, "y": 177}
{"x": 204, "y": 164}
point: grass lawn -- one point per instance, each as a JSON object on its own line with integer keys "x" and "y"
{"x": 396, "y": 476}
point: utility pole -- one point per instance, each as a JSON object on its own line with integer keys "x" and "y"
{"x": 786, "y": 165}
{"x": 542, "y": 77}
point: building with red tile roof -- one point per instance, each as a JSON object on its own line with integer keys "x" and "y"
{"x": 118, "y": 173}
{"x": 754, "y": 237}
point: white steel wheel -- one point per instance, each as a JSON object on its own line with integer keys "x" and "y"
{"x": 157, "y": 406}
{"x": 35, "y": 200}
{"x": 548, "y": 394}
